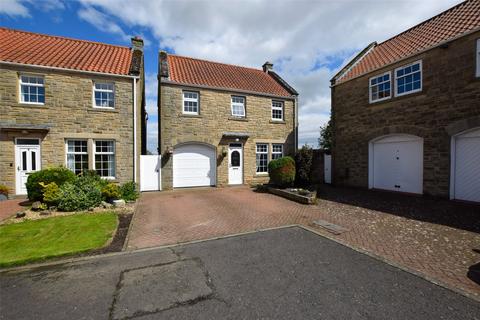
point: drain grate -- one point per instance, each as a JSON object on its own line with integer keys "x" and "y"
{"x": 330, "y": 227}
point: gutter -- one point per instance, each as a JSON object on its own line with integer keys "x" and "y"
{"x": 15, "y": 64}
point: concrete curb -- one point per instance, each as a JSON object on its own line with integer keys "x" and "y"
{"x": 127, "y": 237}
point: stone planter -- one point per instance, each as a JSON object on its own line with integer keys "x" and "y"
{"x": 297, "y": 195}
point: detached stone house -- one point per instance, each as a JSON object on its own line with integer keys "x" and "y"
{"x": 69, "y": 102}
{"x": 406, "y": 112}
{"x": 221, "y": 124}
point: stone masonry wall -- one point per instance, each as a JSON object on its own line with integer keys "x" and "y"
{"x": 450, "y": 95}
{"x": 69, "y": 111}
{"x": 215, "y": 119}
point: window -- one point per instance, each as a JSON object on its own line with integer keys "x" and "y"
{"x": 238, "y": 106}
{"x": 262, "y": 158}
{"x": 105, "y": 158}
{"x": 408, "y": 79}
{"x": 77, "y": 155}
{"x": 235, "y": 159}
{"x": 380, "y": 87}
{"x": 32, "y": 89}
{"x": 190, "y": 102}
{"x": 478, "y": 58}
{"x": 277, "y": 110}
{"x": 277, "y": 151}
{"x": 104, "y": 95}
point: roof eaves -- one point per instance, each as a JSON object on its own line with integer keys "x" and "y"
{"x": 283, "y": 83}
{"x": 353, "y": 62}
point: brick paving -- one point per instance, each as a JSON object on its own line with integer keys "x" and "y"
{"x": 10, "y": 207}
{"x": 439, "y": 239}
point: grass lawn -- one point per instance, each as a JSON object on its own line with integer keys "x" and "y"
{"x": 52, "y": 237}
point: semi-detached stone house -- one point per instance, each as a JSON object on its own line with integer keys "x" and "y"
{"x": 406, "y": 112}
{"x": 69, "y": 102}
{"x": 221, "y": 124}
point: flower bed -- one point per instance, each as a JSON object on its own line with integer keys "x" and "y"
{"x": 295, "y": 194}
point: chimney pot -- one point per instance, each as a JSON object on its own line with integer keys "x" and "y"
{"x": 267, "y": 66}
{"x": 137, "y": 43}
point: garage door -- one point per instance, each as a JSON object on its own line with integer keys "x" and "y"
{"x": 193, "y": 166}
{"x": 396, "y": 164}
{"x": 466, "y": 163}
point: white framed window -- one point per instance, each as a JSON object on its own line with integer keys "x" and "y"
{"x": 277, "y": 151}
{"x": 77, "y": 155}
{"x": 277, "y": 110}
{"x": 104, "y": 95}
{"x": 105, "y": 158}
{"x": 262, "y": 157}
{"x": 32, "y": 89}
{"x": 190, "y": 102}
{"x": 478, "y": 58}
{"x": 408, "y": 79}
{"x": 380, "y": 87}
{"x": 238, "y": 106}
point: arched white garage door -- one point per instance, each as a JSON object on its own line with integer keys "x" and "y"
{"x": 466, "y": 166}
{"x": 396, "y": 163}
{"x": 194, "y": 165}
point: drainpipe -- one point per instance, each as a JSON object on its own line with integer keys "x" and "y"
{"x": 296, "y": 123}
{"x": 135, "y": 129}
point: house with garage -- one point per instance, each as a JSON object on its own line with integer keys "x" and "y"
{"x": 406, "y": 112}
{"x": 69, "y": 102}
{"x": 221, "y": 124}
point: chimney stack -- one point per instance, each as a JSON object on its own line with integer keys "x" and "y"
{"x": 162, "y": 65}
{"x": 267, "y": 66}
{"x": 137, "y": 43}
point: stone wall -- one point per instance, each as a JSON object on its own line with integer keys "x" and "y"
{"x": 450, "y": 95}
{"x": 215, "y": 119}
{"x": 69, "y": 112}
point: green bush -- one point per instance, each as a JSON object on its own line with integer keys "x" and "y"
{"x": 80, "y": 195}
{"x": 303, "y": 163}
{"x": 51, "y": 193}
{"x": 129, "y": 191}
{"x": 4, "y": 190}
{"x": 59, "y": 175}
{"x": 111, "y": 191}
{"x": 282, "y": 171}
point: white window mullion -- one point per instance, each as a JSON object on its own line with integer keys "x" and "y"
{"x": 32, "y": 89}
{"x": 277, "y": 110}
{"x": 190, "y": 102}
{"x": 104, "y": 162}
{"x": 77, "y": 155}
{"x": 262, "y": 158}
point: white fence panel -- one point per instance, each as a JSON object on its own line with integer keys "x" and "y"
{"x": 327, "y": 167}
{"x": 150, "y": 173}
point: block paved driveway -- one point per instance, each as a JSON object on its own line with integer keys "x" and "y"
{"x": 438, "y": 239}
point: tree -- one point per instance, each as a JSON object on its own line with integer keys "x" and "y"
{"x": 326, "y": 134}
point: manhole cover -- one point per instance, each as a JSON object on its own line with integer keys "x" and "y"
{"x": 330, "y": 227}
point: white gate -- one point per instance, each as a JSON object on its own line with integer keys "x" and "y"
{"x": 150, "y": 173}
{"x": 327, "y": 168}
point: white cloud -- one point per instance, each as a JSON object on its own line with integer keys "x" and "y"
{"x": 13, "y": 8}
{"x": 298, "y": 36}
{"x": 102, "y": 22}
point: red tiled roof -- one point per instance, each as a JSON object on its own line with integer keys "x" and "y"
{"x": 449, "y": 24}
{"x": 52, "y": 51}
{"x": 213, "y": 74}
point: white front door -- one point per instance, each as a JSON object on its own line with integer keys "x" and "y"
{"x": 235, "y": 163}
{"x": 27, "y": 160}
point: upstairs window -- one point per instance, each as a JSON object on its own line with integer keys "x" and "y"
{"x": 478, "y": 58}
{"x": 262, "y": 157}
{"x": 104, "y": 95}
{"x": 238, "y": 106}
{"x": 277, "y": 151}
{"x": 277, "y": 110}
{"x": 32, "y": 89}
{"x": 408, "y": 79}
{"x": 190, "y": 102}
{"x": 380, "y": 87}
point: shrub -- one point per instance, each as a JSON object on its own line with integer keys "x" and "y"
{"x": 282, "y": 171}
{"x": 303, "y": 162}
{"x": 91, "y": 178}
{"x": 51, "y": 193}
{"x": 59, "y": 175}
{"x": 111, "y": 191}
{"x": 4, "y": 190}
{"x": 80, "y": 195}
{"x": 129, "y": 191}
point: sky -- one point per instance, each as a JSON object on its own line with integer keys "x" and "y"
{"x": 307, "y": 41}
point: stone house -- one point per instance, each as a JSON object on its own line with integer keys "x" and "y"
{"x": 69, "y": 102}
{"x": 406, "y": 112}
{"x": 221, "y": 124}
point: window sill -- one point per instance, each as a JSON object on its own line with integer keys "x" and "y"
{"x": 261, "y": 174}
{"x": 102, "y": 110}
{"x": 186, "y": 115}
{"x": 238, "y": 118}
{"x": 278, "y": 121}
{"x": 31, "y": 105}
